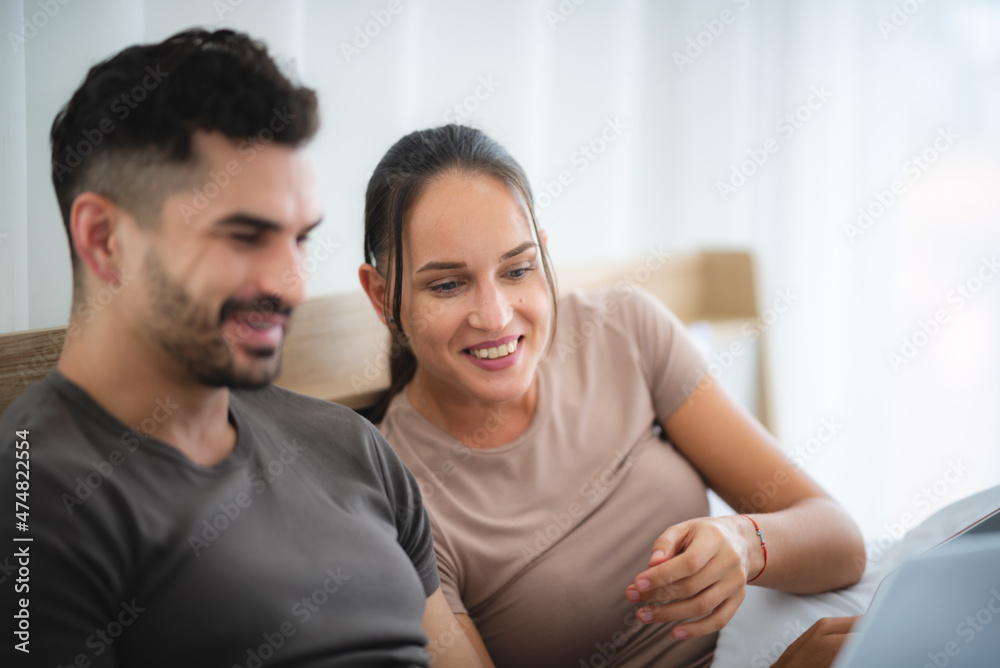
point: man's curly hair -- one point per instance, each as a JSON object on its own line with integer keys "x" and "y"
{"x": 127, "y": 131}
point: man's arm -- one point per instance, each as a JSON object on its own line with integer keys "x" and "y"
{"x": 447, "y": 646}
{"x": 818, "y": 646}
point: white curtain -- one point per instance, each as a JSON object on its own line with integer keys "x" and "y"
{"x": 761, "y": 124}
{"x": 13, "y": 191}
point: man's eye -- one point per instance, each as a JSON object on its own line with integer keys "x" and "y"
{"x": 247, "y": 238}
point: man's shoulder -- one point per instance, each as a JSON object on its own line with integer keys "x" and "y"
{"x": 276, "y": 401}
{"x": 41, "y": 404}
{"x": 282, "y": 410}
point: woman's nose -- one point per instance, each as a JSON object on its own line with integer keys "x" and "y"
{"x": 492, "y": 310}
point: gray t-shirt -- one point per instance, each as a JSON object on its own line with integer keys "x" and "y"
{"x": 308, "y": 546}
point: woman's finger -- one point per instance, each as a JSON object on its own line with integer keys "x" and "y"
{"x": 690, "y": 608}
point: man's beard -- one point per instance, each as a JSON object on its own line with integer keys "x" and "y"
{"x": 192, "y": 335}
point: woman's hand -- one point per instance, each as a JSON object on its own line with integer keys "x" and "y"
{"x": 699, "y": 568}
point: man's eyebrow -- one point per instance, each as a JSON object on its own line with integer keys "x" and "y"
{"x": 262, "y": 224}
{"x": 246, "y": 220}
{"x": 438, "y": 266}
{"x": 312, "y": 226}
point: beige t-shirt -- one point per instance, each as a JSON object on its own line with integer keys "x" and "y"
{"x": 537, "y": 539}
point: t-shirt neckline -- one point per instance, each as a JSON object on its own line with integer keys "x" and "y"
{"x": 100, "y": 415}
{"x": 542, "y": 411}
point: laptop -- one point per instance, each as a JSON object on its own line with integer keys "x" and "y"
{"x": 939, "y": 609}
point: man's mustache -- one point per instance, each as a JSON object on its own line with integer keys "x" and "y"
{"x": 266, "y": 305}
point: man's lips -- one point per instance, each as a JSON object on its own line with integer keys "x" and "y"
{"x": 256, "y": 328}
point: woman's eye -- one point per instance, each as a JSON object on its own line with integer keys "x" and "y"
{"x": 519, "y": 273}
{"x": 449, "y": 286}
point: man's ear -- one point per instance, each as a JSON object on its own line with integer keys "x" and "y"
{"x": 373, "y": 283}
{"x": 95, "y": 226}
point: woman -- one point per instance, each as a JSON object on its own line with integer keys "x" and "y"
{"x": 564, "y": 446}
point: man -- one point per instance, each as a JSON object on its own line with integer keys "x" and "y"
{"x": 164, "y": 505}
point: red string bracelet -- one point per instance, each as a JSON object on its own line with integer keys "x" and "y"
{"x": 760, "y": 534}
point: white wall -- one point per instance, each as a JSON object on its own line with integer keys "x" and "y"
{"x": 556, "y": 85}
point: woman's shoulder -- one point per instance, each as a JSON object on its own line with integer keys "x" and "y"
{"x": 402, "y": 426}
{"x": 624, "y": 307}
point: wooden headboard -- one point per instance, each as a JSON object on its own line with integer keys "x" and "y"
{"x": 337, "y": 349}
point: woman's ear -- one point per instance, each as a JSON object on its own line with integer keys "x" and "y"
{"x": 373, "y": 283}
{"x": 545, "y": 239}
{"x": 95, "y": 227}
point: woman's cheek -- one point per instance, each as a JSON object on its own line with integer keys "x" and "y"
{"x": 425, "y": 315}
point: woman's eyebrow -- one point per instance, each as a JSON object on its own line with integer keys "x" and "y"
{"x": 518, "y": 250}
{"x": 432, "y": 266}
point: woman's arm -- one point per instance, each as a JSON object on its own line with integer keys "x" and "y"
{"x": 448, "y": 646}
{"x": 702, "y": 565}
{"x": 812, "y": 544}
{"x": 477, "y": 640}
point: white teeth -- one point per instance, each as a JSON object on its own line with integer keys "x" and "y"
{"x": 498, "y": 351}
